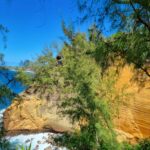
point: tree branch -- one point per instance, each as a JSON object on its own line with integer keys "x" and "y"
{"x": 139, "y": 17}
{"x": 146, "y": 71}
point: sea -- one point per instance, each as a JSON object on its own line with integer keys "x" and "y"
{"x": 39, "y": 141}
{"x": 8, "y": 77}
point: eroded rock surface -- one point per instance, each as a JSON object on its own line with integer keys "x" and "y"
{"x": 133, "y": 121}
{"x": 31, "y": 114}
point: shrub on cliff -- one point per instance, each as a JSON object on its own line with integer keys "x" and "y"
{"x": 143, "y": 145}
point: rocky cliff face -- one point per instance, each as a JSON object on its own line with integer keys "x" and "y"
{"x": 133, "y": 121}
{"x": 28, "y": 113}
{"x": 39, "y": 114}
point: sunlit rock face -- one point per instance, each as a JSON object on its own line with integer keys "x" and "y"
{"x": 28, "y": 113}
{"x": 31, "y": 113}
{"x": 133, "y": 120}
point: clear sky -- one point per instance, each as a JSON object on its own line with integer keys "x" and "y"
{"x": 34, "y": 25}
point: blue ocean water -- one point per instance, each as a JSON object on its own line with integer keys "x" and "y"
{"x": 15, "y": 86}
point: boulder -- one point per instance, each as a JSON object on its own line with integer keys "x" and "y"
{"x": 28, "y": 114}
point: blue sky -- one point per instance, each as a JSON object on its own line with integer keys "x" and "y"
{"x": 34, "y": 25}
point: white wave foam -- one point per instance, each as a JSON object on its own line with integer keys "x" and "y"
{"x": 39, "y": 141}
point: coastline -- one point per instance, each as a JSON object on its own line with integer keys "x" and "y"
{"x": 39, "y": 139}
{"x": 28, "y": 132}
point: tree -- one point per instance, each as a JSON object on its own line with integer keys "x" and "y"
{"x": 4, "y": 31}
{"x": 121, "y": 14}
{"x": 89, "y": 103}
{"x": 83, "y": 92}
{"x": 1, "y": 59}
{"x": 25, "y": 63}
{"x": 130, "y": 20}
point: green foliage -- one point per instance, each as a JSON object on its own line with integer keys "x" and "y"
{"x": 88, "y": 105}
{"x": 87, "y": 87}
{"x": 127, "y": 146}
{"x": 88, "y": 98}
{"x": 25, "y": 63}
{"x": 46, "y": 75}
{"x": 130, "y": 21}
{"x": 88, "y": 94}
{"x": 4, "y": 143}
{"x": 1, "y": 59}
{"x": 143, "y": 145}
{"x": 121, "y": 14}
{"x": 126, "y": 46}
{"x": 22, "y": 147}
{"x": 23, "y": 77}
{"x": 5, "y": 92}
{"x": 3, "y": 32}
{"x": 85, "y": 94}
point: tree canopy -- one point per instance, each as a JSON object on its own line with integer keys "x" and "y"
{"x": 130, "y": 20}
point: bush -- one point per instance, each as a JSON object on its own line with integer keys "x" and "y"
{"x": 143, "y": 145}
{"x": 127, "y": 146}
{"x": 22, "y": 147}
{"x": 4, "y": 143}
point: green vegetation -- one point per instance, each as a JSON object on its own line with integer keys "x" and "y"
{"x": 88, "y": 94}
{"x": 3, "y": 32}
{"x": 85, "y": 80}
{"x": 22, "y": 147}
{"x": 86, "y": 84}
{"x": 143, "y": 145}
{"x": 129, "y": 20}
{"x": 1, "y": 59}
{"x": 88, "y": 97}
{"x": 4, "y": 144}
